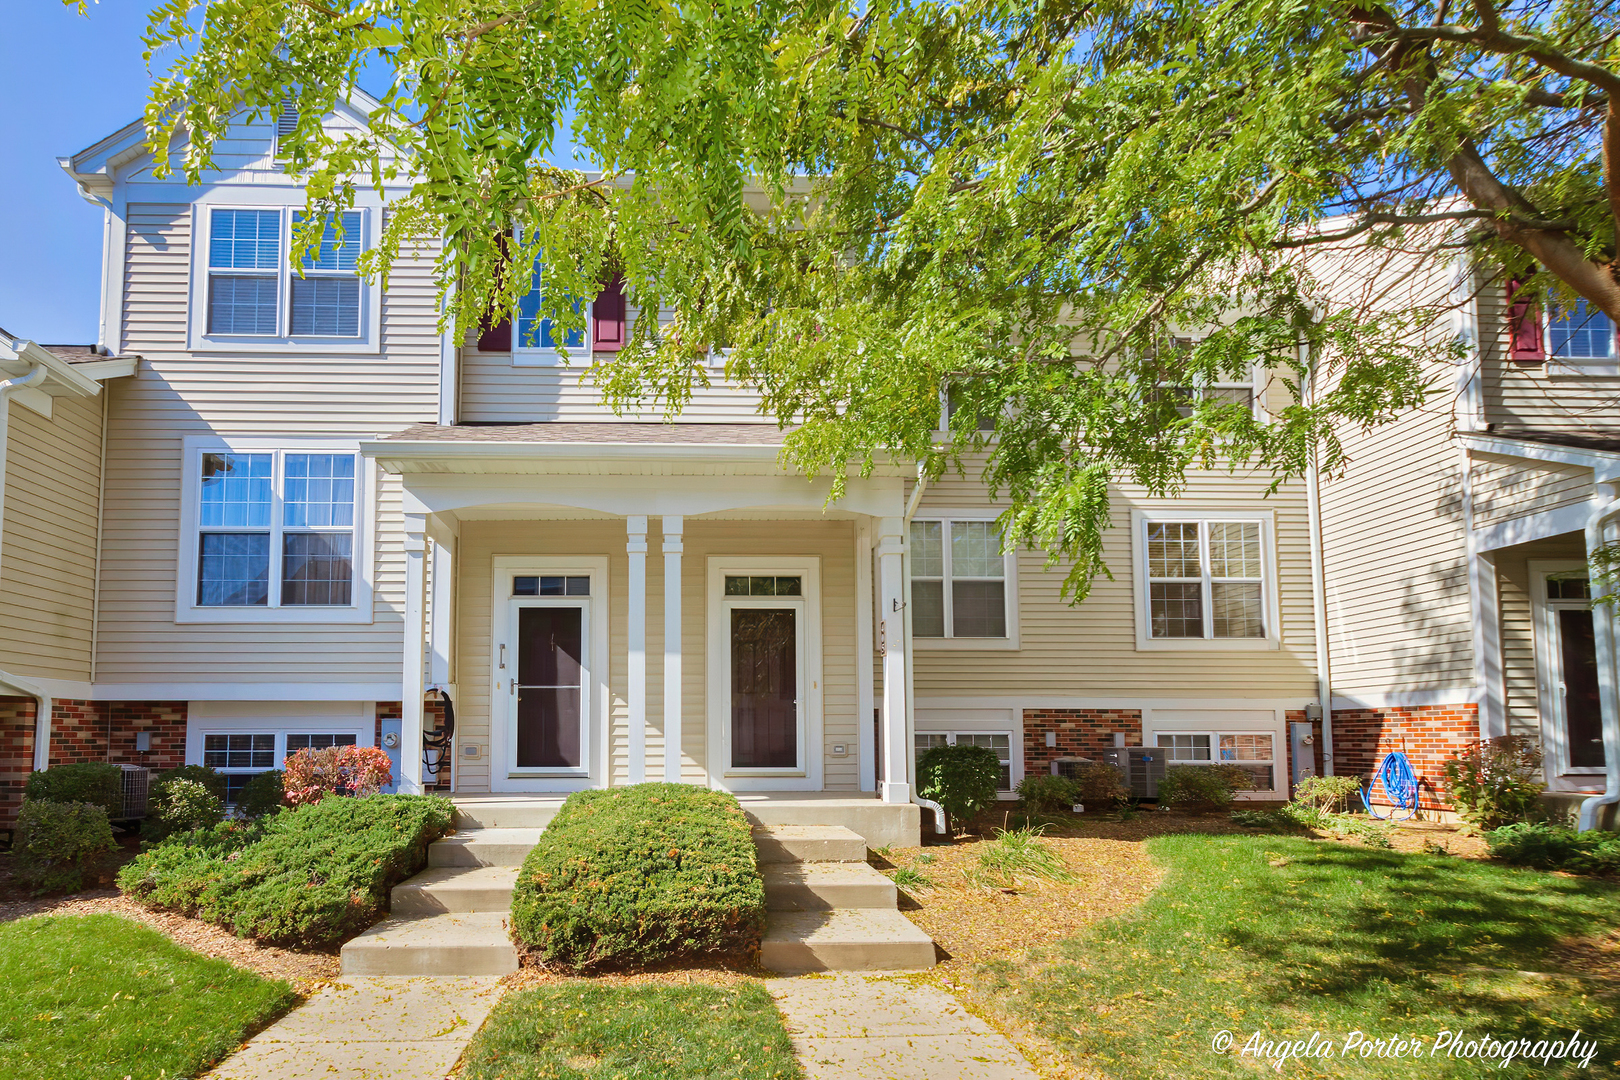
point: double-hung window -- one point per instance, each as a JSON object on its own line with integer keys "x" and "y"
{"x": 536, "y": 339}
{"x": 273, "y": 530}
{"x": 1252, "y": 752}
{"x": 959, "y": 581}
{"x": 252, "y": 298}
{"x": 1580, "y": 333}
{"x": 1000, "y": 742}
{"x": 1204, "y": 580}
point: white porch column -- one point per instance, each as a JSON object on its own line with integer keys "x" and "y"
{"x": 673, "y": 526}
{"x": 892, "y": 638}
{"x": 636, "y": 666}
{"x": 865, "y": 694}
{"x": 410, "y": 693}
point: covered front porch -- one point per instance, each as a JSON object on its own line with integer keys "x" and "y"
{"x": 612, "y": 603}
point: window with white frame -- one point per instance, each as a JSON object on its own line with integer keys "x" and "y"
{"x": 1000, "y": 742}
{"x": 535, "y": 338}
{"x": 1580, "y": 332}
{"x": 958, "y": 580}
{"x": 249, "y": 281}
{"x": 1252, "y": 752}
{"x": 1205, "y": 579}
{"x": 275, "y": 528}
{"x": 240, "y": 756}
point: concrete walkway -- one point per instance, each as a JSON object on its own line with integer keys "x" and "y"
{"x": 374, "y": 1028}
{"x": 869, "y": 1026}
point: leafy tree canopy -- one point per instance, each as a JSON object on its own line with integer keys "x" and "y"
{"x": 1030, "y": 205}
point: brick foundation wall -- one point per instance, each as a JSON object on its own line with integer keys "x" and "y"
{"x": 16, "y": 753}
{"x": 1427, "y": 734}
{"x": 1079, "y": 733}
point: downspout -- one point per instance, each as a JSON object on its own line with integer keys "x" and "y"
{"x": 911, "y": 509}
{"x": 1324, "y": 655}
{"x": 1609, "y": 701}
{"x": 42, "y": 700}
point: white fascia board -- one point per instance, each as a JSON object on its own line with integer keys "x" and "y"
{"x": 394, "y": 454}
{"x": 216, "y": 691}
{"x": 1605, "y": 465}
{"x": 61, "y": 376}
{"x": 114, "y": 368}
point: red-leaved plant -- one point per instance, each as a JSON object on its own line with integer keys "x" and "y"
{"x": 312, "y": 775}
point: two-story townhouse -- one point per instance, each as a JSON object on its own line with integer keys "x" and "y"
{"x": 1456, "y": 543}
{"x": 320, "y": 512}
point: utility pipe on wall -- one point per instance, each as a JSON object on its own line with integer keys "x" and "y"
{"x": 1324, "y": 654}
{"x": 1608, "y": 691}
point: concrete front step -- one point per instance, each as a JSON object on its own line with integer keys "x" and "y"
{"x": 882, "y": 824}
{"x": 873, "y": 939}
{"x": 819, "y": 886}
{"x": 808, "y": 843}
{"x": 442, "y": 889}
{"x": 476, "y": 943}
{"x": 506, "y": 812}
{"x": 483, "y": 847}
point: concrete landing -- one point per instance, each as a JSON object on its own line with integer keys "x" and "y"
{"x": 866, "y": 939}
{"x": 469, "y": 943}
{"x": 369, "y": 1029}
{"x": 863, "y": 1027}
{"x": 820, "y": 886}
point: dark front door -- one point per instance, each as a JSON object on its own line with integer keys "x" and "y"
{"x": 1583, "y": 715}
{"x": 549, "y": 690}
{"x": 764, "y": 689}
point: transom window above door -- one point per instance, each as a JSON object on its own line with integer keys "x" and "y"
{"x": 958, "y": 580}
{"x": 551, "y": 585}
{"x": 273, "y": 530}
{"x": 738, "y": 585}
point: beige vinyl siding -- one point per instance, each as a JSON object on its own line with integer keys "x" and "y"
{"x": 833, "y": 541}
{"x": 1539, "y": 396}
{"x": 1520, "y": 677}
{"x": 48, "y": 557}
{"x": 1509, "y": 487}
{"x": 176, "y": 394}
{"x": 1090, "y": 650}
{"x": 494, "y": 390}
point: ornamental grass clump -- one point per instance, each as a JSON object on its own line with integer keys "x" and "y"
{"x": 309, "y": 877}
{"x": 642, "y": 873}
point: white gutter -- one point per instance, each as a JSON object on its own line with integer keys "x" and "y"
{"x": 1608, "y": 700}
{"x": 42, "y": 712}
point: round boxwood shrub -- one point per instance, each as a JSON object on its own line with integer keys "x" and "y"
{"x": 261, "y": 795}
{"x": 209, "y": 778}
{"x": 84, "y": 782}
{"x": 961, "y": 778}
{"x": 640, "y": 873}
{"x": 55, "y": 843}
{"x": 1044, "y": 793}
{"x": 1201, "y": 788}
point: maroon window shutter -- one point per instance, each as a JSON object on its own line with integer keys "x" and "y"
{"x": 607, "y": 317}
{"x": 1524, "y": 328}
{"x": 497, "y": 338}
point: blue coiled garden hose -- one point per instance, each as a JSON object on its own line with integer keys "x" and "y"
{"x": 1400, "y": 787}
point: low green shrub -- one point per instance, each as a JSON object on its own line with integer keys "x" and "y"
{"x": 1326, "y": 794}
{"x": 1556, "y": 847}
{"x": 85, "y": 782}
{"x": 211, "y": 779}
{"x": 310, "y": 877}
{"x": 1369, "y": 830}
{"x": 1101, "y": 784}
{"x": 1495, "y": 782}
{"x": 640, "y": 873}
{"x": 261, "y": 795}
{"x": 1044, "y": 793}
{"x": 187, "y": 805}
{"x": 55, "y": 843}
{"x": 1201, "y": 788}
{"x": 962, "y": 778}
{"x": 1260, "y": 819}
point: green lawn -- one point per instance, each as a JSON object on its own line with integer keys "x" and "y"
{"x": 1288, "y": 937}
{"x": 595, "y": 1031}
{"x": 98, "y": 997}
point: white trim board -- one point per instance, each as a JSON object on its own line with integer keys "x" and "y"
{"x": 1527, "y": 527}
{"x": 1549, "y": 661}
{"x": 1398, "y": 699}
{"x": 1604, "y": 464}
{"x": 1270, "y": 587}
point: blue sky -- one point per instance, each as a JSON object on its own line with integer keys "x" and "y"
{"x": 70, "y": 80}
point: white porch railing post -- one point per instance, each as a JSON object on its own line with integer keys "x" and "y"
{"x": 865, "y": 693}
{"x": 410, "y": 704}
{"x": 636, "y": 665}
{"x": 893, "y": 638}
{"x": 672, "y": 648}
